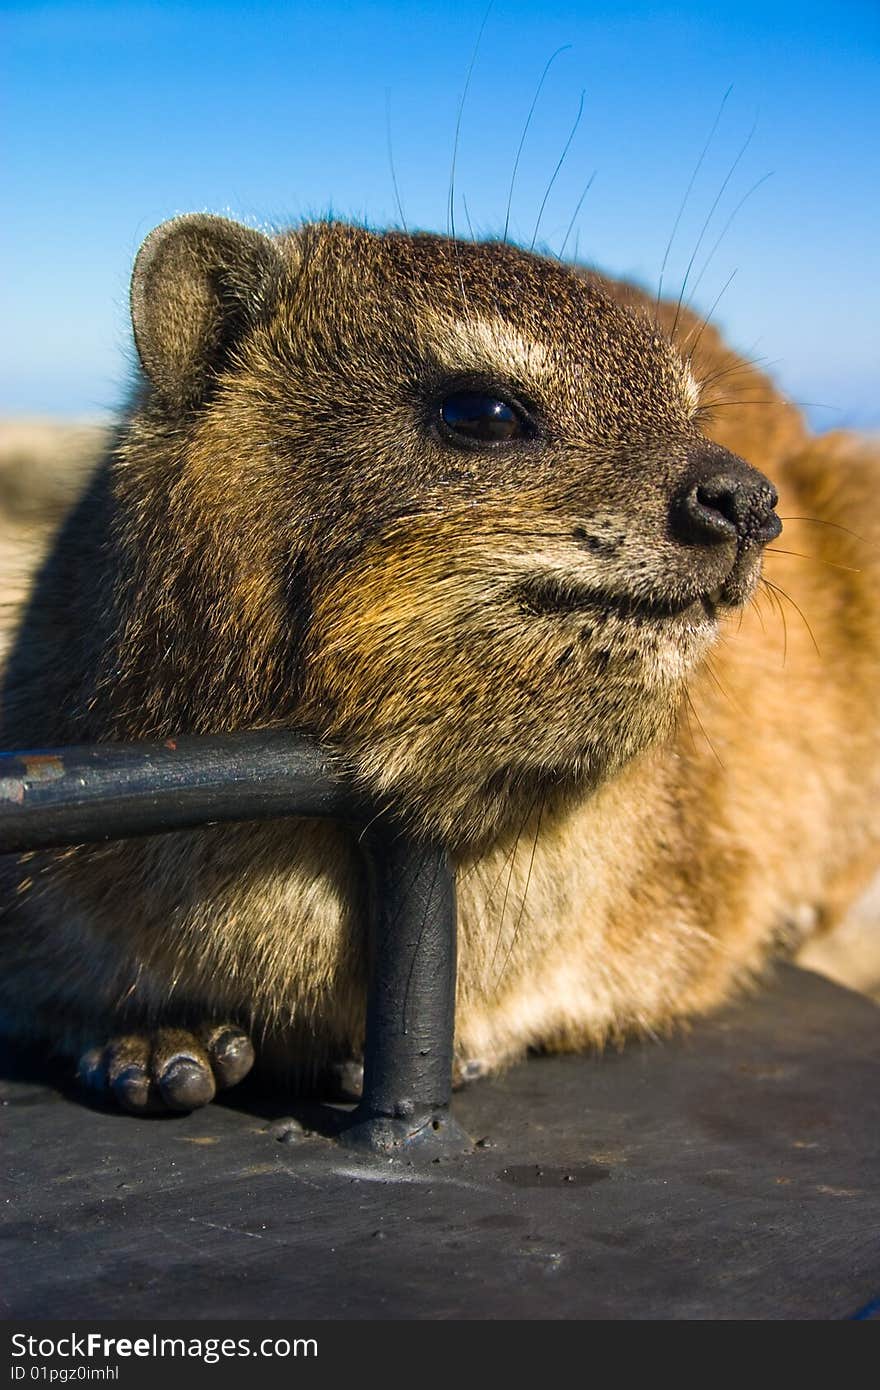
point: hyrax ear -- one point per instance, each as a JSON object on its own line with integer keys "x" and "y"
{"x": 197, "y": 283}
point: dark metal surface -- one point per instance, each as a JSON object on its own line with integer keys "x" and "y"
{"x": 730, "y": 1173}
{"x": 102, "y": 792}
{"x": 411, "y": 1012}
{"x": 113, "y": 791}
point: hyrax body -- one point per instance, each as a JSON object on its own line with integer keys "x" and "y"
{"x": 471, "y": 517}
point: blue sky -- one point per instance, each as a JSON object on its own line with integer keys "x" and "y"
{"x": 120, "y": 115}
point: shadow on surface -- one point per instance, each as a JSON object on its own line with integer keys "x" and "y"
{"x": 727, "y": 1173}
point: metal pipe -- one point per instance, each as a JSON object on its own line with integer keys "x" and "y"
{"x": 97, "y": 792}
{"x": 411, "y": 1010}
{"x": 114, "y": 791}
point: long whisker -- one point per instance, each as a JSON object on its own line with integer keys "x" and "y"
{"x": 707, "y": 319}
{"x": 684, "y": 202}
{"x": 499, "y": 936}
{"x": 506, "y": 861}
{"x": 561, "y": 161}
{"x": 522, "y": 140}
{"x": 458, "y": 120}
{"x": 467, "y": 217}
{"x": 580, "y": 201}
{"x": 820, "y": 521}
{"x": 735, "y": 369}
{"x": 817, "y": 559}
{"x": 798, "y": 610}
{"x": 705, "y": 227}
{"x": 522, "y": 908}
{"x": 775, "y": 601}
{"x": 702, "y": 728}
{"x": 519, "y": 149}
{"x": 391, "y": 160}
{"x": 715, "y": 679}
{"x": 742, "y": 400}
{"x": 687, "y": 720}
{"x": 722, "y": 234}
{"x": 505, "y": 864}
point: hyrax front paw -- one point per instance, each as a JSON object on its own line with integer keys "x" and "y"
{"x": 169, "y": 1069}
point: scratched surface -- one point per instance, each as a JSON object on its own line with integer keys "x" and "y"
{"x": 732, "y": 1173}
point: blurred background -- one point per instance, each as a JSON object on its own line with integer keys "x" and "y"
{"x": 731, "y": 148}
{"x": 120, "y": 115}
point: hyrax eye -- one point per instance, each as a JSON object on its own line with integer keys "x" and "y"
{"x": 476, "y": 418}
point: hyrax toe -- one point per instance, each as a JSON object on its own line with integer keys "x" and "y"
{"x": 182, "y": 1069}
{"x": 171, "y": 1069}
{"x": 127, "y": 1062}
{"x": 231, "y": 1052}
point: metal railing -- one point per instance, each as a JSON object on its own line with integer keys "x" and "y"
{"x": 98, "y": 792}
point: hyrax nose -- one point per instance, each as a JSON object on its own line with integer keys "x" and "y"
{"x": 735, "y": 504}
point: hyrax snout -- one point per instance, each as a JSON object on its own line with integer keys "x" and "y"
{"x": 726, "y": 501}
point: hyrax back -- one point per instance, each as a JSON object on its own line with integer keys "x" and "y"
{"x": 469, "y": 516}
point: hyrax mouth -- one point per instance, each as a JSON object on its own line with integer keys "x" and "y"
{"x": 552, "y": 597}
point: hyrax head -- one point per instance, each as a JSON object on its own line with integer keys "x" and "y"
{"x": 452, "y": 494}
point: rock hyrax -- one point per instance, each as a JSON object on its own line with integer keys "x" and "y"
{"x": 493, "y": 528}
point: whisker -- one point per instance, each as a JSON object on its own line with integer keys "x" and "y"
{"x": 524, "y": 893}
{"x": 705, "y": 323}
{"x": 798, "y": 610}
{"x": 383, "y": 811}
{"x": 702, "y": 729}
{"x": 778, "y": 606}
{"x": 687, "y": 720}
{"x": 580, "y": 201}
{"x": 684, "y": 201}
{"x": 779, "y": 401}
{"x": 458, "y": 120}
{"x": 713, "y": 676}
{"x": 547, "y": 66}
{"x": 499, "y": 936}
{"x": 561, "y": 161}
{"x": 819, "y": 521}
{"x": 817, "y": 559}
{"x": 501, "y": 872}
{"x": 391, "y": 160}
{"x": 724, "y": 230}
{"x": 735, "y": 369}
{"x": 467, "y": 217}
{"x": 705, "y": 227}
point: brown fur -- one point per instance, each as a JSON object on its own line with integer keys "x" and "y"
{"x": 640, "y": 807}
